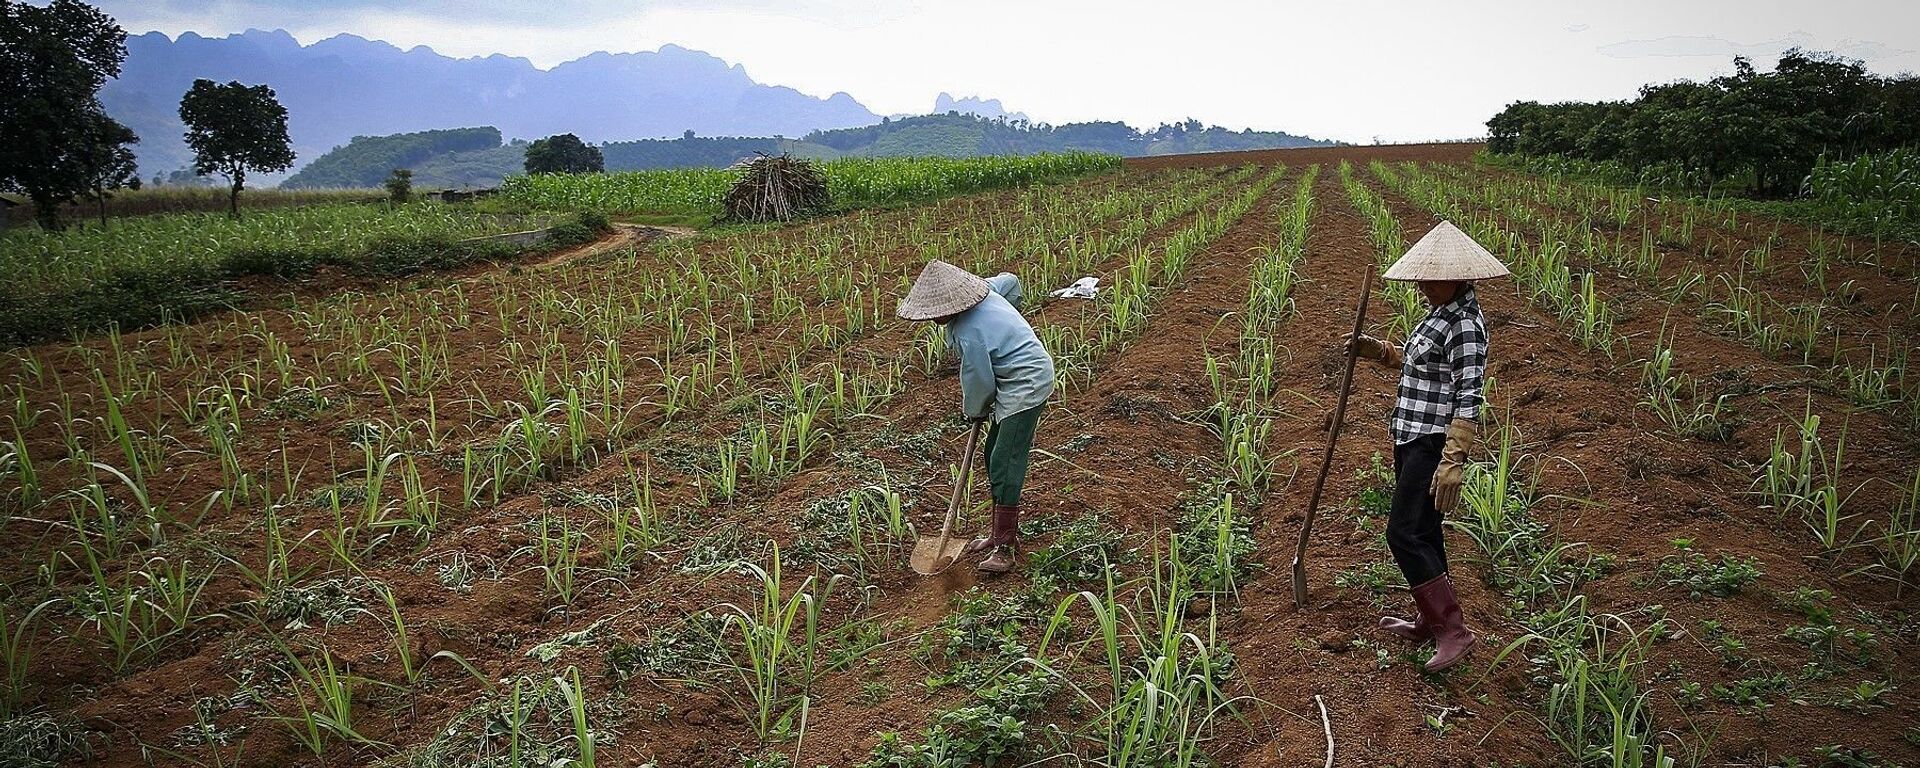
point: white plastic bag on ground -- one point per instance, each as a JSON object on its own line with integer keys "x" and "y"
{"x": 1083, "y": 288}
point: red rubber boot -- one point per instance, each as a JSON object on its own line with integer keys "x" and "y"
{"x": 1003, "y": 540}
{"x": 1451, "y": 638}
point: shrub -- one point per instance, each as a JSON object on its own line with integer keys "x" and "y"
{"x": 400, "y": 186}
{"x": 584, "y": 228}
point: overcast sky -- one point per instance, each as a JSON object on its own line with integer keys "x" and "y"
{"x": 1349, "y": 70}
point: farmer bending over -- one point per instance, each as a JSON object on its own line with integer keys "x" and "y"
{"x": 1434, "y": 423}
{"x": 1006, "y": 376}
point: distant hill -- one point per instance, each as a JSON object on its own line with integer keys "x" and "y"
{"x": 476, "y": 157}
{"x": 366, "y": 160}
{"x": 963, "y": 135}
{"x": 454, "y": 159}
{"x": 348, "y": 86}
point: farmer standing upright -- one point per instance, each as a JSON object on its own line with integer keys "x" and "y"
{"x": 1006, "y": 377}
{"x": 1435, "y": 420}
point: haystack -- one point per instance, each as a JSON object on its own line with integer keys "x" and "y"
{"x": 776, "y": 188}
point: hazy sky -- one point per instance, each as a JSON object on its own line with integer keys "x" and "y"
{"x": 1356, "y": 71}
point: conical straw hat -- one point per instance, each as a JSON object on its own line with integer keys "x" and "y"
{"x": 1446, "y": 253}
{"x": 941, "y": 290}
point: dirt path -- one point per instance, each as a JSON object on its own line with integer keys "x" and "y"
{"x": 622, "y": 236}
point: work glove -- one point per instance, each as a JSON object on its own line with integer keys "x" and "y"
{"x": 1373, "y": 349}
{"x": 1453, "y": 464}
{"x": 981, "y": 419}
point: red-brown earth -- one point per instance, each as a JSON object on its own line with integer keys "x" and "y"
{"x": 1124, "y": 445}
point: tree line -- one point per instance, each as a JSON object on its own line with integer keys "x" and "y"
{"x": 1761, "y": 131}
{"x": 966, "y": 134}
{"x": 57, "y": 144}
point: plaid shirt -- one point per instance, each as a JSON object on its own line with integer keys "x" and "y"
{"x": 1444, "y": 365}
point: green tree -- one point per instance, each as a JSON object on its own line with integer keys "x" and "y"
{"x": 108, "y": 162}
{"x": 53, "y": 61}
{"x": 1761, "y": 130}
{"x": 564, "y": 153}
{"x": 400, "y": 185}
{"x": 233, "y": 129}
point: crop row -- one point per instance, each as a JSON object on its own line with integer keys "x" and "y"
{"x": 772, "y": 650}
{"x": 1650, "y": 224}
{"x": 1869, "y": 364}
{"x": 395, "y": 366}
{"x": 1145, "y": 652}
{"x": 1594, "y": 667}
{"x": 599, "y": 362}
{"x": 1870, "y": 195}
{"x": 150, "y": 269}
{"x": 1590, "y": 667}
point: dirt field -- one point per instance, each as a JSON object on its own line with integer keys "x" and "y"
{"x": 262, "y": 442}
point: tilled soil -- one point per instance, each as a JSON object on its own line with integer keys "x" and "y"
{"x": 1125, "y": 446}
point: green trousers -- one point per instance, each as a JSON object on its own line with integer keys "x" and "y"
{"x": 1008, "y": 443}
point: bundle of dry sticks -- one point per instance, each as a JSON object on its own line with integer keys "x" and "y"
{"x": 776, "y": 188}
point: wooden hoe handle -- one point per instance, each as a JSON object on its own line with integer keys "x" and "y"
{"x": 960, "y": 483}
{"x": 1333, "y": 438}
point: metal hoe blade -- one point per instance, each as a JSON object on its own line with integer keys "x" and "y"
{"x": 933, "y": 554}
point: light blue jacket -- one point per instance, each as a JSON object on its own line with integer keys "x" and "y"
{"x": 1004, "y": 369}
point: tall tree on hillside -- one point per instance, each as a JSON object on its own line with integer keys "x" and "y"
{"x": 233, "y": 129}
{"x": 53, "y": 61}
{"x": 107, "y": 161}
{"x": 564, "y": 153}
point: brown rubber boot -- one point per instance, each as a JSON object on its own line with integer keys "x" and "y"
{"x": 1003, "y": 559}
{"x": 1003, "y": 539}
{"x": 1003, "y": 528}
{"x": 1441, "y": 608}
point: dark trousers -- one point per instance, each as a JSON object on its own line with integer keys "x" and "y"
{"x": 1413, "y": 525}
{"x": 1009, "y": 441}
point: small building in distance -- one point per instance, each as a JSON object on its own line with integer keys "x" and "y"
{"x": 461, "y": 195}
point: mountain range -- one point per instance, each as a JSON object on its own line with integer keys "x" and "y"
{"x": 358, "y": 108}
{"x": 971, "y": 105}
{"x": 347, "y": 86}
{"x": 478, "y": 157}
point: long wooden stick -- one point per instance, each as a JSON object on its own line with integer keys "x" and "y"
{"x": 1333, "y": 438}
{"x": 1327, "y": 724}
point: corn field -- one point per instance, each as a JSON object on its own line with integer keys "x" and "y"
{"x": 853, "y": 182}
